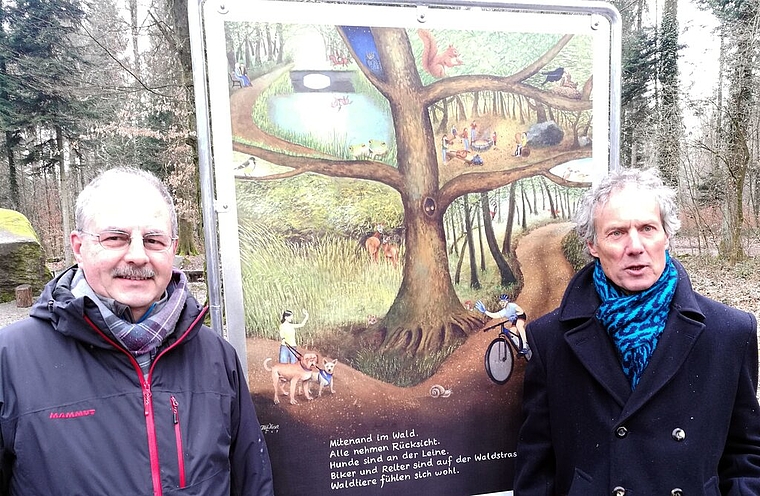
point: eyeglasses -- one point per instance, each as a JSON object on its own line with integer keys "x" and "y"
{"x": 120, "y": 240}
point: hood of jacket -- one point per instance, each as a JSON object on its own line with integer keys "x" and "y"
{"x": 66, "y": 313}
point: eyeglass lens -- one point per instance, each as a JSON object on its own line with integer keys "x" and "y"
{"x": 118, "y": 240}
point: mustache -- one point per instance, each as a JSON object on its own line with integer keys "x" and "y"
{"x": 133, "y": 272}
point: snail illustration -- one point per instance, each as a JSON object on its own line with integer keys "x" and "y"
{"x": 439, "y": 391}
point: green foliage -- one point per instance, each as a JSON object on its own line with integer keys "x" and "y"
{"x": 330, "y": 277}
{"x": 36, "y": 58}
{"x": 638, "y": 78}
{"x": 574, "y": 251}
{"x": 310, "y": 204}
{"x": 731, "y": 10}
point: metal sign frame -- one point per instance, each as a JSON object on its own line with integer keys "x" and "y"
{"x": 207, "y": 18}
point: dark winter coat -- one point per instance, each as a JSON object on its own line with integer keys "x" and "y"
{"x": 78, "y": 417}
{"x": 691, "y": 427}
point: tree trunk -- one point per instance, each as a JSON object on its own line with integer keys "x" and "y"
{"x": 65, "y": 198}
{"x": 423, "y": 325}
{"x": 474, "y": 282}
{"x": 14, "y": 195}
{"x": 480, "y": 239}
{"x": 669, "y": 153}
{"x": 507, "y": 276}
{"x": 506, "y": 248}
{"x": 739, "y": 110}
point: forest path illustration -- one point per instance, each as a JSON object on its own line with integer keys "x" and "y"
{"x": 360, "y": 400}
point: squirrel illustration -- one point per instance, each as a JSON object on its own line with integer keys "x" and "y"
{"x": 433, "y": 62}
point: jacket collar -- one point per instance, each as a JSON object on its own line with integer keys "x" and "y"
{"x": 65, "y": 312}
{"x": 594, "y": 349}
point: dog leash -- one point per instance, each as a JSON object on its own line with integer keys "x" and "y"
{"x": 294, "y": 351}
{"x": 299, "y": 356}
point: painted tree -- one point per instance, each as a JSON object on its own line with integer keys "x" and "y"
{"x": 426, "y": 314}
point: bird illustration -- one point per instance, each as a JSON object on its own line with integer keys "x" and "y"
{"x": 553, "y": 76}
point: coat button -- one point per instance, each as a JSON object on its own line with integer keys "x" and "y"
{"x": 678, "y": 435}
{"x": 618, "y": 491}
{"x": 621, "y": 432}
{"x": 676, "y": 492}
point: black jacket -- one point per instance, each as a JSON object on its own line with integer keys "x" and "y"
{"x": 692, "y": 424}
{"x": 78, "y": 417}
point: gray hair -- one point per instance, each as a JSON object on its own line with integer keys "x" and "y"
{"x": 647, "y": 180}
{"x": 115, "y": 176}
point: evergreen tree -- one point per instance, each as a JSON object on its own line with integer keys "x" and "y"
{"x": 670, "y": 119}
{"x": 39, "y": 108}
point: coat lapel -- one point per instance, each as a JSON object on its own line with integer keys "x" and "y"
{"x": 676, "y": 343}
{"x": 594, "y": 350}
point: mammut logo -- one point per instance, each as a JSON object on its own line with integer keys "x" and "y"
{"x": 74, "y": 414}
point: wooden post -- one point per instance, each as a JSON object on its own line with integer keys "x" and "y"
{"x": 23, "y": 296}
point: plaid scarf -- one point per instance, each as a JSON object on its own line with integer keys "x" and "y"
{"x": 635, "y": 321}
{"x": 148, "y": 334}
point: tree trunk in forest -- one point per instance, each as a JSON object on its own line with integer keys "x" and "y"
{"x": 670, "y": 125}
{"x": 14, "y": 196}
{"x": 134, "y": 25}
{"x": 461, "y": 112}
{"x": 739, "y": 110}
{"x": 480, "y": 241}
{"x": 443, "y": 126}
{"x": 65, "y": 196}
{"x": 460, "y": 262}
{"x": 415, "y": 325}
{"x": 552, "y": 207}
{"x": 474, "y": 111}
{"x": 474, "y": 281}
{"x": 453, "y": 231}
{"x": 540, "y": 112}
{"x": 507, "y": 276}
{"x": 506, "y": 247}
{"x": 190, "y": 221}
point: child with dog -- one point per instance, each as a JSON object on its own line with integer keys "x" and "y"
{"x": 288, "y": 336}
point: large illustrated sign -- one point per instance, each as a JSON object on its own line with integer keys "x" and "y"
{"x": 370, "y": 163}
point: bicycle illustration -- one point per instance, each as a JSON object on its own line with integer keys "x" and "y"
{"x": 500, "y": 354}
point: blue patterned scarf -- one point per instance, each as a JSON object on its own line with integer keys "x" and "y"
{"x": 635, "y": 321}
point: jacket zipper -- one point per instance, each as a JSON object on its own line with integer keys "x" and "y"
{"x": 178, "y": 437}
{"x": 150, "y": 424}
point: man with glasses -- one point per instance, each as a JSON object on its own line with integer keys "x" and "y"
{"x": 113, "y": 385}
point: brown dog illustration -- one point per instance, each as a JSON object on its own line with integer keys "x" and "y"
{"x": 293, "y": 373}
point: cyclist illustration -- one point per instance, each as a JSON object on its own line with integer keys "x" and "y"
{"x": 516, "y": 316}
{"x": 510, "y": 319}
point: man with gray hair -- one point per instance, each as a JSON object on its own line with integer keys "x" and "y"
{"x": 638, "y": 385}
{"x": 113, "y": 385}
